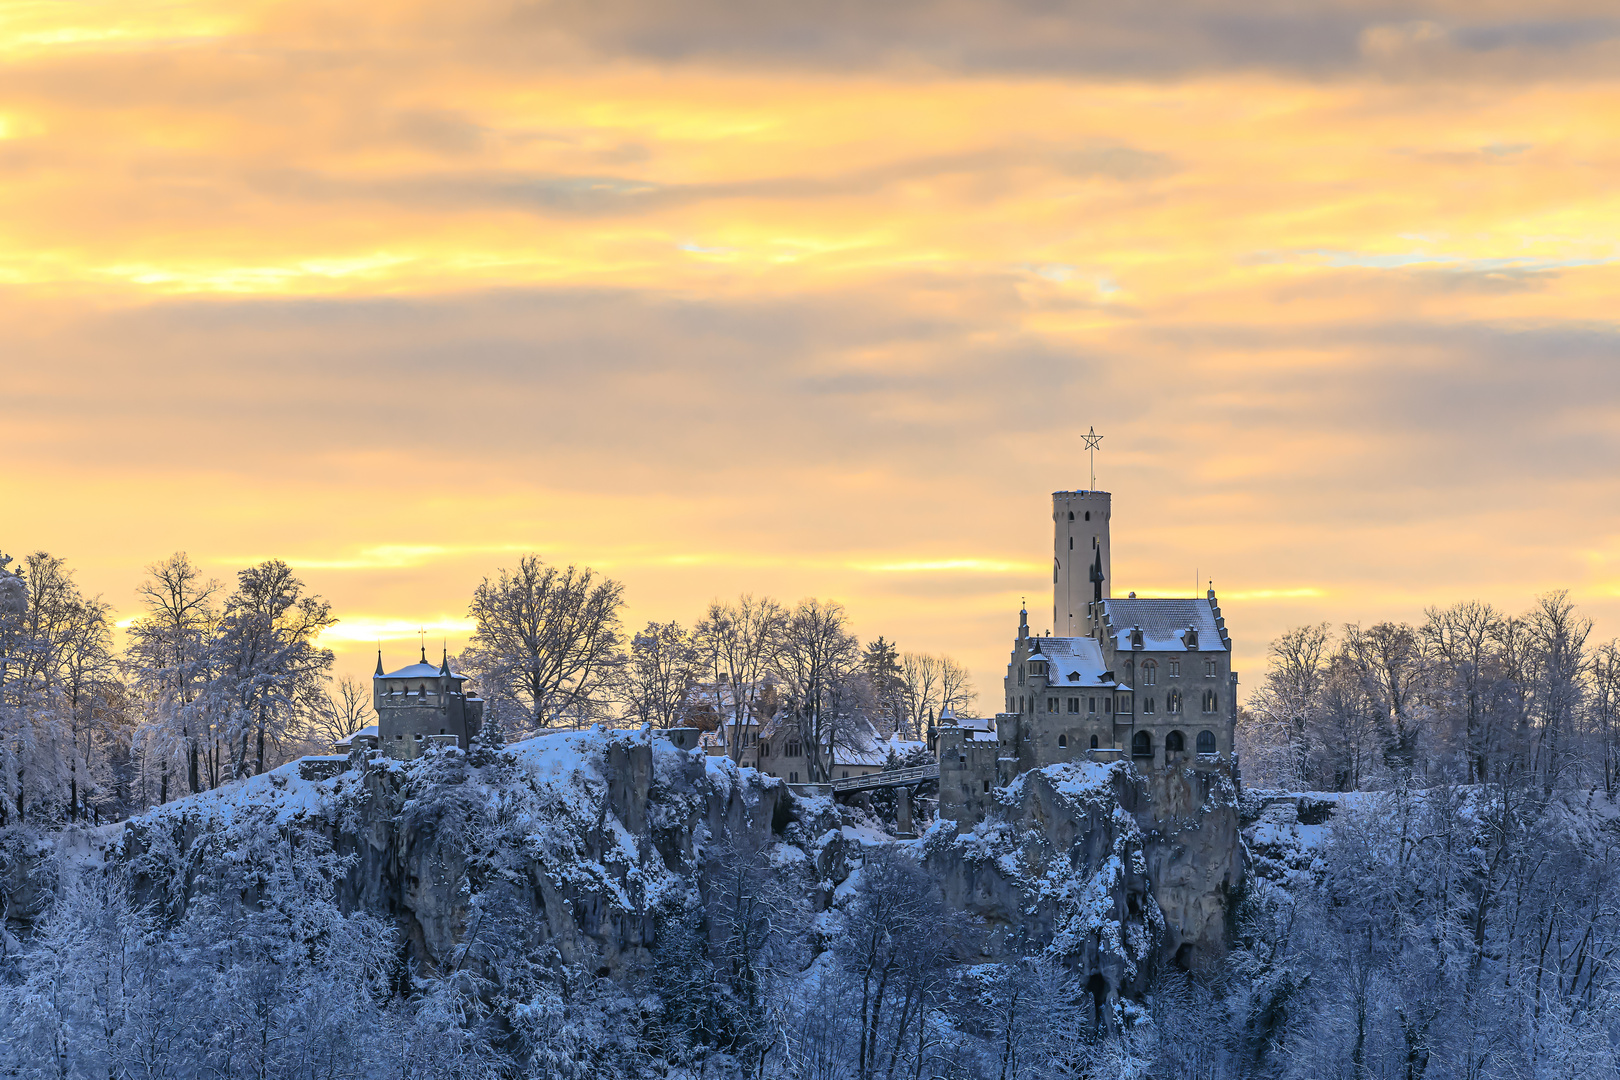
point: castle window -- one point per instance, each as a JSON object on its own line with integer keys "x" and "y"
{"x": 1175, "y": 743}
{"x": 1108, "y": 704}
{"x": 1074, "y": 704}
{"x": 1147, "y": 706}
{"x": 1063, "y": 740}
{"x": 1088, "y": 515}
{"x": 441, "y": 731}
{"x": 1124, "y": 704}
{"x": 1094, "y": 742}
{"x": 1209, "y": 669}
{"x": 764, "y": 749}
{"x": 793, "y": 749}
{"x": 1142, "y": 745}
{"x": 845, "y": 776}
{"x": 1175, "y": 669}
{"x": 1071, "y": 543}
{"x": 1051, "y": 704}
{"x": 1020, "y": 674}
{"x": 1172, "y": 702}
{"x": 1211, "y": 704}
{"x": 1071, "y": 515}
{"x": 793, "y": 778}
{"x": 1091, "y": 705}
{"x": 1150, "y": 673}
{"x": 1206, "y": 742}
{"x": 987, "y": 787}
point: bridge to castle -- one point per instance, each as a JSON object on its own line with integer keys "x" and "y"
{"x": 897, "y": 778}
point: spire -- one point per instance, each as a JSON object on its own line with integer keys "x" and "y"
{"x": 444, "y": 665}
{"x": 1097, "y": 576}
{"x": 424, "y": 652}
{"x": 379, "y": 662}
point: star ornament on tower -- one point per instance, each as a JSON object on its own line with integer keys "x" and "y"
{"x": 1092, "y": 442}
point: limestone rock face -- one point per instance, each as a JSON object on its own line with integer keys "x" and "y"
{"x": 1095, "y": 865}
{"x": 601, "y": 827}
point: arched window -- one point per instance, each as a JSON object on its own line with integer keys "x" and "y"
{"x": 1142, "y": 745}
{"x": 1210, "y": 702}
{"x": 1063, "y": 740}
{"x": 1088, "y": 515}
{"x": 1175, "y": 743}
{"x": 1071, "y": 515}
{"x": 1147, "y": 706}
{"x": 1094, "y": 742}
{"x": 1172, "y": 702}
{"x": 1071, "y": 543}
{"x": 1206, "y": 742}
{"x": 764, "y": 749}
{"x": 793, "y": 749}
{"x": 1150, "y": 673}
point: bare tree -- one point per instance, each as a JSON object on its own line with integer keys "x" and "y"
{"x": 956, "y": 689}
{"x": 345, "y": 709}
{"x": 269, "y": 673}
{"x": 169, "y": 649}
{"x": 739, "y": 644}
{"x": 921, "y": 689}
{"x": 1559, "y": 638}
{"x": 548, "y": 642}
{"x": 663, "y": 666}
{"x": 1461, "y": 639}
{"x": 818, "y": 660}
{"x": 1392, "y": 666}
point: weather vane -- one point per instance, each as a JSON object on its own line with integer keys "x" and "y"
{"x": 1092, "y": 439}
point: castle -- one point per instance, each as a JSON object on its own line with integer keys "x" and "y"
{"x": 1151, "y": 679}
{"x": 419, "y": 706}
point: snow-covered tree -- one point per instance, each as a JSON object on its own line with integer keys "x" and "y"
{"x": 548, "y": 646}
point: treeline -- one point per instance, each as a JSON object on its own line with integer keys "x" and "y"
{"x": 215, "y": 682}
{"x": 1470, "y": 695}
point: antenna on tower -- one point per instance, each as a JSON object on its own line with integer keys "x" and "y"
{"x": 1092, "y": 439}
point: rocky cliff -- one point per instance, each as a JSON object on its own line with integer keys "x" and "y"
{"x": 601, "y": 831}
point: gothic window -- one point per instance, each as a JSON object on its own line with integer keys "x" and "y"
{"x": 1142, "y": 745}
{"x": 1063, "y": 740}
{"x": 1210, "y": 702}
{"x": 1150, "y": 673}
{"x": 1020, "y": 674}
{"x": 1147, "y": 706}
{"x": 1206, "y": 742}
{"x": 1094, "y": 742}
{"x": 1175, "y": 743}
{"x": 1172, "y": 702}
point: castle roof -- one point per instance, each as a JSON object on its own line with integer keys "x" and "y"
{"x": 421, "y": 671}
{"x": 1074, "y": 661}
{"x": 1164, "y": 622}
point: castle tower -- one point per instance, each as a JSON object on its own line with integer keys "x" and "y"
{"x": 1081, "y": 570}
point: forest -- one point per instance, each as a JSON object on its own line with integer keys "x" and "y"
{"x": 1429, "y": 830}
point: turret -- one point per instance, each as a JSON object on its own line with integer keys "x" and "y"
{"x": 1081, "y": 568}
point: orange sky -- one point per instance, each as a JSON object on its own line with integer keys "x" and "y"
{"x": 814, "y": 299}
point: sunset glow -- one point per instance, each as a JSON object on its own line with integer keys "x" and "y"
{"x": 733, "y": 302}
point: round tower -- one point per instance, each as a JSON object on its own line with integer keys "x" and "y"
{"x": 1081, "y": 570}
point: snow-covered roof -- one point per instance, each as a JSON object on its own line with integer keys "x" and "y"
{"x": 1072, "y": 661}
{"x": 421, "y": 671}
{"x": 1164, "y": 622}
{"x": 369, "y": 731}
